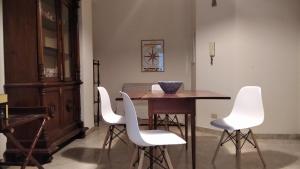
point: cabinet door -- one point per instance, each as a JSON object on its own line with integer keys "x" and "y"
{"x": 68, "y": 106}
{"x": 49, "y": 39}
{"x": 66, "y": 38}
{"x": 51, "y": 100}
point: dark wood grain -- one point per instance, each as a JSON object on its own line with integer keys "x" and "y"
{"x": 20, "y": 40}
{"x": 193, "y": 94}
{"x": 26, "y": 84}
{"x": 8, "y": 126}
{"x": 17, "y": 120}
{"x": 185, "y": 94}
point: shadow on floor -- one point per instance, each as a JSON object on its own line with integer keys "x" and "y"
{"x": 250, "y": 160}
{"x": 120, "y": 156}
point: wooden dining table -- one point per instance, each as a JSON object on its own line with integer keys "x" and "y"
{"x": 182, "y": 102}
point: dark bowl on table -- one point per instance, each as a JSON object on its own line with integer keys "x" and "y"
{"x": 170, "y": 87}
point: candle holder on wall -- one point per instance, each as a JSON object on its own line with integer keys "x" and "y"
{"x": 212, "y": 52}
{"x": 214, "y": 3}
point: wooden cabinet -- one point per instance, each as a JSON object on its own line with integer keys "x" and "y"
{"x": 42, "y": 69}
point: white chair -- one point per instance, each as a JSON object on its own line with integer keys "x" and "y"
{"x": 144, "y": 139}
{"x": 168, "y": 120}
{"x": 247, "y": 112}
{"x": 114, "y": 120}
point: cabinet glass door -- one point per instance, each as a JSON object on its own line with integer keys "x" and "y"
{"x": 67, "y": 54}
{"x": 50, "y": 40}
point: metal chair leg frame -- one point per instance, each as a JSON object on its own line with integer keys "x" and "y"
{"x": 167, "y": 121}
{"x": 138, "y": 158}
{"x": 237, "y": 139}
{"x": 156, "y": 159}
{"x": 111, "y": 135}
{"x": 178, "y": 126}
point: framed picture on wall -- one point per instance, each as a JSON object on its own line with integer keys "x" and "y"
{"x": 152, "y": 55}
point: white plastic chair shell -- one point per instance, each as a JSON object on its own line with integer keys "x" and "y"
{"x": 108, "y": 114}
{"x": 156, "y": 87}
{"x": 146, "y": 138}
{"x": 247, "y": 111}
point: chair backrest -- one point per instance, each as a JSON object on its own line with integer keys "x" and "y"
{"x": 106, "y": 109}
{"x": 156, "y": 87}
{"x": 132, "y": 126}
{"x": 249, "y": 103}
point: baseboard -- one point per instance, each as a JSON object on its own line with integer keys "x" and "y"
{"x": 90, "y": 130}
{"x": 258, "y": 136}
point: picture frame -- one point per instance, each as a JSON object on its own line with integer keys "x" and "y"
{"x": 152, "y": 52}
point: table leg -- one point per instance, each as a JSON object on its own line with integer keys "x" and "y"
{"x": 150, "y": 121}
{"x": 155, "y": 121}
{"x": 193, "y": 133}
{"x": 186, "y": 128}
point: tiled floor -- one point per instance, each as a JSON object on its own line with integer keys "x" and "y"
{"x": 86, "y": 153}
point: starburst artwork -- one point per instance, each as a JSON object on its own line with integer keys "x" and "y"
{"x": 152, "y": 55}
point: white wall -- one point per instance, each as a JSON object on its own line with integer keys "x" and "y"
{"x": 119, "y": 27}
{"x": 257, "y": 43}
{"x": 298, "y": 82}
{"x": 86, "y": 62}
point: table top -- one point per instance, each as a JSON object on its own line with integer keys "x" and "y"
{"x": 16, "y": 120}
{"x": 184, "y": 94}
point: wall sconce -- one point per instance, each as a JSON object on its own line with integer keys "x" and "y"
{"x": 214, "y": 3}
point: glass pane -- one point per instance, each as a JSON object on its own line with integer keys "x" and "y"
{"x": 49, "y": 22}
{"x": 66, "y": 41}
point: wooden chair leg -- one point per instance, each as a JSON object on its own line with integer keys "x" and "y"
{"x": 257, "y": 148}
{"x": 141, "y": 160}
{"x": 218, "y": 147}
{"x": 164, "y": 160}
{"x": 238, "y": 149}
{"x": 111, "y": 137}
{"x": 134, "y": 158}
{"x": 106, "y": 138}
{"x": 166, "y": 154}
{"x": 178, "y": 126}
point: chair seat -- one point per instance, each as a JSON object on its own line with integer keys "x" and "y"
{"x": 235, "y": 123}
{"x": 160, "y": 137}
{"x": 114, "y": 119}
